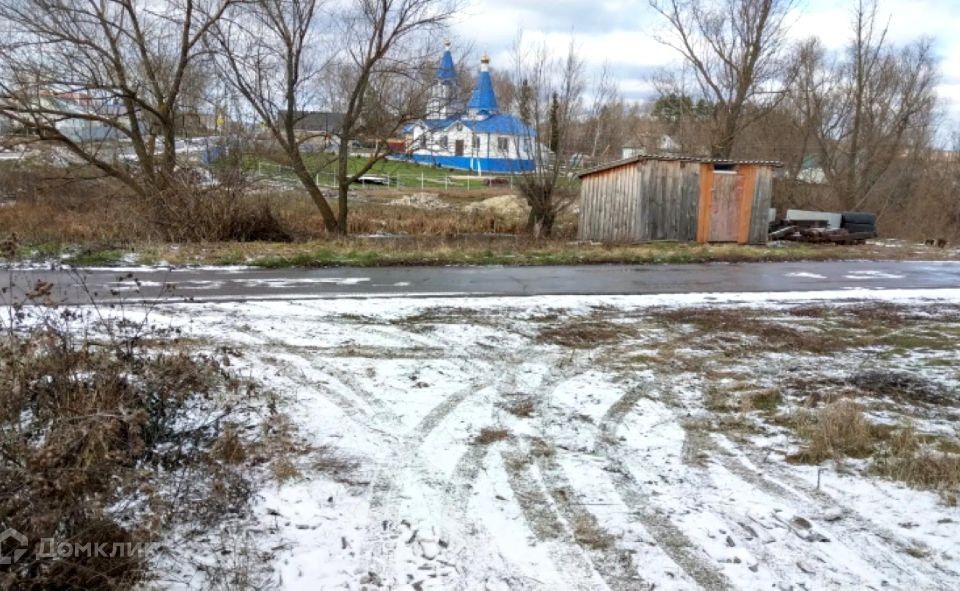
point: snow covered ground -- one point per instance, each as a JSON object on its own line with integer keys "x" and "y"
{"x": 577, "y": 442}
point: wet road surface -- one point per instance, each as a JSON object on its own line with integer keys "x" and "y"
{"x": 238, "y": 284}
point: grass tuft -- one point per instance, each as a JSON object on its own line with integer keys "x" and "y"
{"x": 522, "y": 408}
{"x": 490, "y": 435}
{"x": 836, "y": 431}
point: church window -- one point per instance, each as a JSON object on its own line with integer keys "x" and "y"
{"x": 476, "y": 142}
{"x": 503, "y": 143}
{"x": 444, "y": 142}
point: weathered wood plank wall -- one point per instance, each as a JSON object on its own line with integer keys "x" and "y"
{"x": 669, "y": 200}
{"x": 648, "y": 200}
{"x": 760, "y": 212}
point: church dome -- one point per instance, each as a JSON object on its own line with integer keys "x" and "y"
{"x": 446, "y": 71}
{"x": 483, "y": 99}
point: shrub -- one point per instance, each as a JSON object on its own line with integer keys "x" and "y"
{"x": 189, "y": 213}
{"x": 105, "y": 440}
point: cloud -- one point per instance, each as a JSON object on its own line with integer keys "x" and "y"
{"x": 622, "y": 34}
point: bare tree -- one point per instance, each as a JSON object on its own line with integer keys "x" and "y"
{"x": 605, "y": 105}
{"x": 734, "y": 48}
{"x": 362, "y": 60}
{"x": 273, "y": 54}
{"x": 105, "y": 80}
{"x": 868, "y": 114}
{"x": 382, "y": 47}
{"x": 550, "y": 93}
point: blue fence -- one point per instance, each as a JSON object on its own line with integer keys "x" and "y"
{"x": 480, "y": 165}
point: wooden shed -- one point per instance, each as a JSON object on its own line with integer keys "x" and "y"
{"x": 677, "y": 198}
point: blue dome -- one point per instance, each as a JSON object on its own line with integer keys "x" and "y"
{"x": 483, "y": 97}
{"x": 446, "y": 70}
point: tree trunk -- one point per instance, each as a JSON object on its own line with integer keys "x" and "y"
{"x": 540, "y": 219}
{"x": 343, "y": 186}
{"x": 727, "y": 132}
{"x": 316, "y": 195}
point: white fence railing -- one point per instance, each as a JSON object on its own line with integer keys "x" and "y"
{"x": 389, "y": 179}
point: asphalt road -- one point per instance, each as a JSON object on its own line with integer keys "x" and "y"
{"x": 225, "y": 284}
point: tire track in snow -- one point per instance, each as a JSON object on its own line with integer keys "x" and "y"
{"x": 383, "y": 533}
{"x": 401, "y": 460}
{"x": 465, "y": 473}
{"x": 404, "y": 459}
{"x": 545, "y": 523}
{"x": 867, "y": 533}
{"x": 547, "y": 505}
{"x": 801, "y": 494}
{"x": 471, "y": 462}
{"x": 350, "y": 383}
{"x": 613, "y": 564}
{"x": 694, "y": 446}
{"x": 668, "y": 536}
{"x": 353, "y": 411}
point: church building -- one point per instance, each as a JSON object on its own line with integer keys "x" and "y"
{"x": 475, "y": 136}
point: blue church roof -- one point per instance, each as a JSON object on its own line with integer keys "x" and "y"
{"x": 446, "y": 71}
{"x": 483, "y": 97}
{"x": 497, "y": 123}
{"x": 502, "y": 124}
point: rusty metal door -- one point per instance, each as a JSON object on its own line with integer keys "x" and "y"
{"x": 725, "y": 206}
{"x": 458, "y": 148}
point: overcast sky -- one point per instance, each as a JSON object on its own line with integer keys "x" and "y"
{"x": 621, "y": 33}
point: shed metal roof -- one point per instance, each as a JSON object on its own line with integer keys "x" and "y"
{"x": 666, "y": 157}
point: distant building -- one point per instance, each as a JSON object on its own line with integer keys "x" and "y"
{"x": 76, "y": 116}
{"x": 651, "y": 144}
{"x": 811, "y": 172}
{"x": 324, "y": 122}
{"x": 475, "y": 136}
{"x": 317, "y": 130}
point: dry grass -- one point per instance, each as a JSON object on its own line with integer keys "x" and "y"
{"x": 836, "y": 431}
{"x": 52, "y": 210}
{"x": 229, "y": 447}
{"x": 915, "y": 462}
{"x": 588, "y": 532}
{"x": 289, "y": 455}
{"x": 767, "y": 400}
{"x": 523, "y": 408}
{"x": 726, "y": 328}
{"x": 465, "y": 249}
{"x": 335, "y": 464}
{"x": 373, "y": 212}
{"x": 840, "y": 430}
{"x": 46, "y": 208}
{"x": 490, "y": 435}
{"x": 188, "y": 214}
{"x": 741, "y": 397}
{"x": 585, "y": 333}
{"x": 903, "y": 387}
